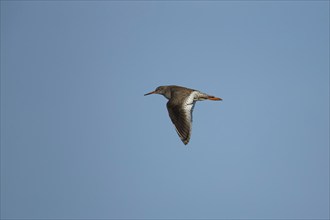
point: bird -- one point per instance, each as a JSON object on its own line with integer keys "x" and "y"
{"x": 180, "y": 106}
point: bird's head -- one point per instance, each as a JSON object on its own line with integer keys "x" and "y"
{"x": 161, "y": 90}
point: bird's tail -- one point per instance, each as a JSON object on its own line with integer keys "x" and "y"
{"x": 213, "y": 98}
{"x": 200, "y": 96}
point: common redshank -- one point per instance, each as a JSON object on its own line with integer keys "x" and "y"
{"x": 181, "y": 105}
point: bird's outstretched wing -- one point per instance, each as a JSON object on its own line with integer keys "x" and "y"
{"x": 181, "y": 116}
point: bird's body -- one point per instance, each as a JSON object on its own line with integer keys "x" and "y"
{"x": 180, "y": 106}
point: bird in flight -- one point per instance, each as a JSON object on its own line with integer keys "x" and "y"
{"x": 180, "y": 105}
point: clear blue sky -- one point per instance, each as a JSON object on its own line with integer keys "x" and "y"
{"x": 79, "y": 139}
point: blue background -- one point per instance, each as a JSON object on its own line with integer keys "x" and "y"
{"x": 79, "y": 139}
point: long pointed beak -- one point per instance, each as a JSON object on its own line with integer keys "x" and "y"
{"x": 153, "y": 92}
